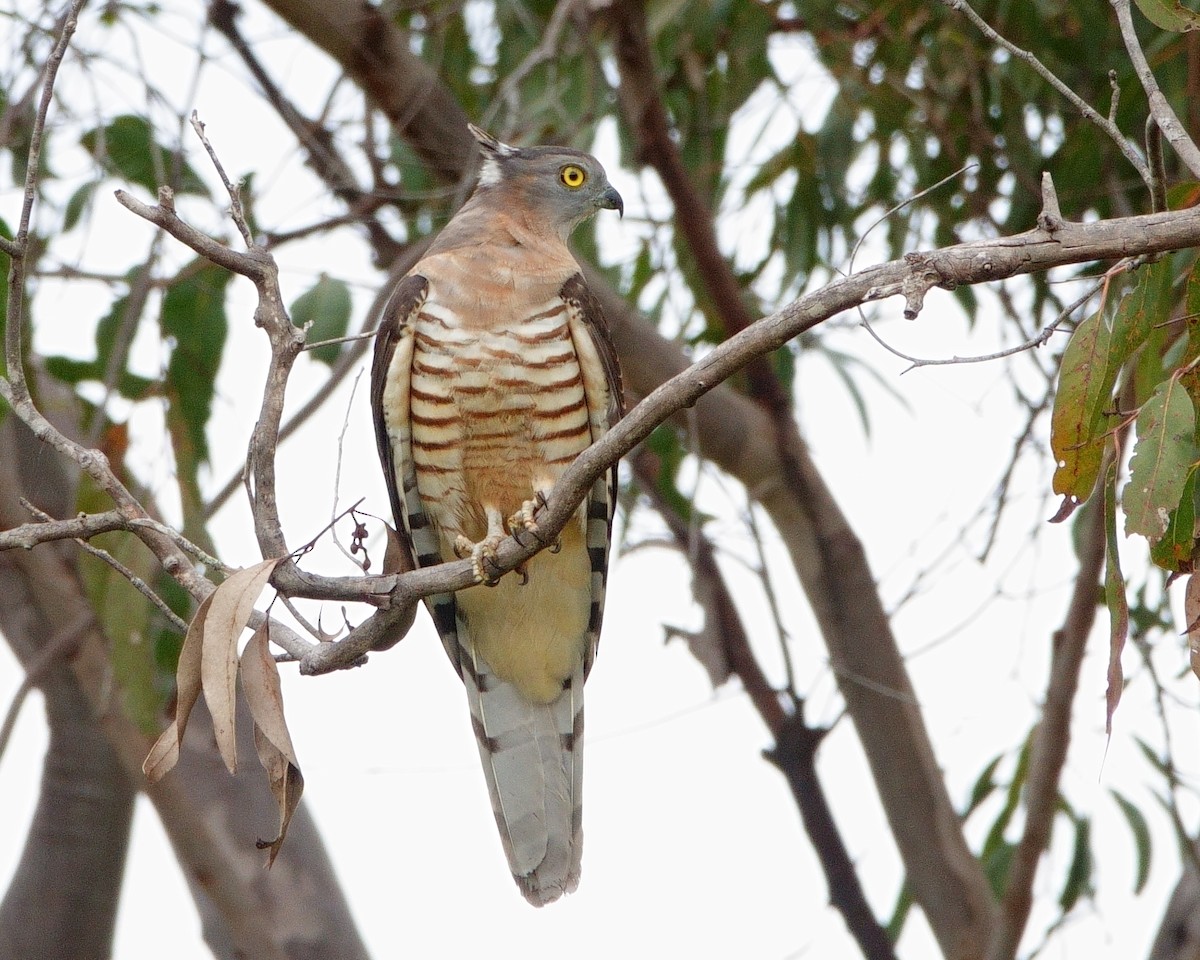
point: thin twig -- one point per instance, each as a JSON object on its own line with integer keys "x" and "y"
{"x": 1110, "y": 128}
{"x": 57, "y": 648}
{"x": 14, "y": 353}
{"x": 1032, "y": 343}
{"x": 337, "y": 475}
{"x": 509, "y": 93}
{"x": 764, "y": 577}
{"x": 236, "y": 213}
{"x": 346, "y": 362}
{"x": 1160, "y": 107}
{"x": 904, "y": 203}
{"x": 103, "y": 555}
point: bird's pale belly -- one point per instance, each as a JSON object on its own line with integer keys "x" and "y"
{"x": 496, "y": 418}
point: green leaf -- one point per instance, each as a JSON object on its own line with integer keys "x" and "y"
{"x": 193, "y": 316}
{"x": 80, "y": 200}
{"x": 1114, "y": 599}
{"x": 996, "y": 866}
{"x": 1141, "y": 838}
{"x": 1169, "y": 15}
{"x": 664, "y": 442}
{"x": 1162, "y": 460}
{"x": 1091, "y": 364}
{"x": 72, "y": 371}
{"x": 325, "y": 311}
{"x": 994, "y": 843}
{"x": 124, "y": 614}
{"x": 903, "y": 907}
{"x": 126, "y": 147}
{"x": 1173, "y": 551}
{"x": 1079, "y": 874}
{"x": 985, "y": 784}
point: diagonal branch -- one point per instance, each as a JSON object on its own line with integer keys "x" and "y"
{"x": 796, "y": 743}
{"x": 1160, "y": 107}
{"x": 1051, "y": 738}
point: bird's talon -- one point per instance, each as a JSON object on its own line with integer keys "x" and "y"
{"x": 556, "y": 546}
{"x": 522, "y": 521}
{"x": 480, "y": 553}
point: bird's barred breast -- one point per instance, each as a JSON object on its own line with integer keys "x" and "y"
{"x": 497, "y": 414}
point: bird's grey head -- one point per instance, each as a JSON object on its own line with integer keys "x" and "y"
{"x": 563, "y": 185}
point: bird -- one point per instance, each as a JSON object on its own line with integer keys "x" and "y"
{"x": 494, "y": 368}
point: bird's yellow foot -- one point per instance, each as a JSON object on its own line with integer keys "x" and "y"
{"x": 483, "y": 552}
{"x": 522, "y": 522}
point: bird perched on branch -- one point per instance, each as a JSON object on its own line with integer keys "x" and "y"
{"x": 493, "y": 370}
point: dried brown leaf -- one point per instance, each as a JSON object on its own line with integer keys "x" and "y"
{"x": 397, "y": 558}
{"x": 287, "y": 783}
{"x": 232, "y": 604}
{"x": 260, "y": 682}
{"x": 165, "y": 753}
{"x": 706, "y": 645}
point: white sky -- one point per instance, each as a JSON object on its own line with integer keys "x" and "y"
{"x": 694, "y": 846}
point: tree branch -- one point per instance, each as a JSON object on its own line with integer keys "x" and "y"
{"x": 1107, "y": 124}
{"x": 1160, "y": 107}
{"x": 1051, "y": 739}
{"x": 795, "y": 750}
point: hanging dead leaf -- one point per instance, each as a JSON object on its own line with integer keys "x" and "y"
{"x": 165, "y": 753}
{"x": 260, "y": 682}
{"x": 1191, "y": 612}
{"x": 232, "y": 604}
{"x": 707, "y": 646}
{"x": 397, "y": 558}
{"x": 287, "y": 783}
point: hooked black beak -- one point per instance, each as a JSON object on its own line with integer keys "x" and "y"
{"x": 611, "y": 200}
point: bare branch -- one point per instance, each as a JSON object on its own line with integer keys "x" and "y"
{"x": 1051, "y": 738}
{"x": 236, "y": 213}
{"x": 1163, "y": 113}
{"x": 17, "y": 248}
{"x": 254, "y": 264}
{"x": 1104, "y": 123}
{"x": 29, "y": 535}
{"x": 975, "y": 262}
{"x": 55, "y": 650}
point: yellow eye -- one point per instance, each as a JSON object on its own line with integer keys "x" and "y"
{"x": 572, "y": 176}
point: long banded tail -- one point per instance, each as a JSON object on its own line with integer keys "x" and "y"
{"x": 533, "y": 761}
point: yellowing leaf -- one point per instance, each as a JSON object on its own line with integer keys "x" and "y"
{"x": 1091, "y": 364}
{"x": 1077, "y": 424}
{"x": 1162, "y": 460}
{"x": 228, "y": 614}
{"x": 165, "y": 753}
